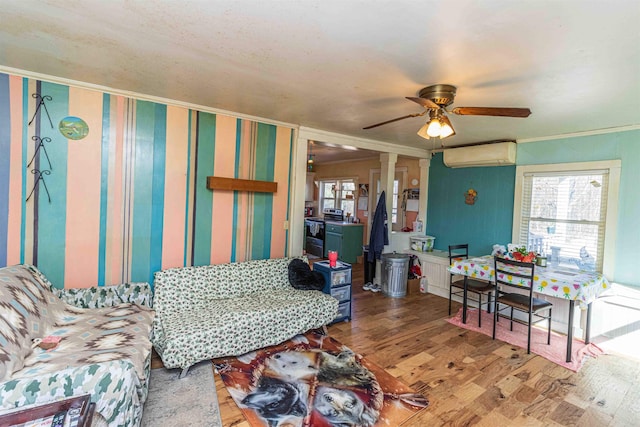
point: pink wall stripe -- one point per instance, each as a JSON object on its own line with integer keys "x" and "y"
{"x": 281, "y": 197}
{"x": 16, "y": 163}
{"x": 224, "y": 166}
{"x": 83, "y": 195}
{"x": 175, "y": 187}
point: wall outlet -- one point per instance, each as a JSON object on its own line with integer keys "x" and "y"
{"x": 286, "y": 225}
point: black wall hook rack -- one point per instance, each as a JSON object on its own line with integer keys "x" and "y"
{"x": 41, "y": 103}
{"x": 39, "y": 176}
{"x": 40, "y": 145}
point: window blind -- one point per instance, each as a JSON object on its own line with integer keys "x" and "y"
{"x": 564, "y": 216}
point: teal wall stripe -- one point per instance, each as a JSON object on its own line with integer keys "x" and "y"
{"x": 51, "y": 220}
{"x": 104, "y": 186}
{"x": 157, "y": 210}
{"x": 263, "y": 202}
{"x": 204, "y": 197}
{"x": 5, "y": 147}
{"x": 142, "y": 191}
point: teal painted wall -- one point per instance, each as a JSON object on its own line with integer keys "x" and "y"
{"x": 611, "y": 146}
{"x": 451, "y": 221}
{"x": 489, "y": 221}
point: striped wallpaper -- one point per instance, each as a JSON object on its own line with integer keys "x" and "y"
{"x": 131, "y": 198}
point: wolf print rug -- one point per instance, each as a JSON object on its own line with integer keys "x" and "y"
{"x": 313, "y": 380}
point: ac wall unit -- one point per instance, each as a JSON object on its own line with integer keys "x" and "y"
{"x": 498, "y": 154}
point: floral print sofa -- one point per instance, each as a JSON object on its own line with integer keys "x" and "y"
{"x": 229, "y": 309}
{"x": 105, "y": 347}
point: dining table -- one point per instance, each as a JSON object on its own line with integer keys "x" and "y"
{"x": 579, "y": 286}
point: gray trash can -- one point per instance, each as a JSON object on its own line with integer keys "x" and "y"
{"x": 395, "y": 270}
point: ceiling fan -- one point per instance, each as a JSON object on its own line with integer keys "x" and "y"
{"x": 435, "y": 99}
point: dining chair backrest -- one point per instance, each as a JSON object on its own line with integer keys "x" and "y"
{"x": 515, "y": 274}
{"x": 458, "y": 251}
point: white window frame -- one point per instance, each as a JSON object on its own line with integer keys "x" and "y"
{"x": 611, "y": 221}
{"x": 339, "y": 200}
{"x": 375, "y": 190}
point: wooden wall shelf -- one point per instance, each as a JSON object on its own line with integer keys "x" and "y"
{"x": 233, "y": 184}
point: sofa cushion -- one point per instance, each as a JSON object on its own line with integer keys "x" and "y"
{"x": 91, "y": 336}
{"x": 234, "y": 326}
{"x": 107, "y": 296}
{"x": 198, "y": 286}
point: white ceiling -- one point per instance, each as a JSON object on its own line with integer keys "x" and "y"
{"x": 341, "y": 65}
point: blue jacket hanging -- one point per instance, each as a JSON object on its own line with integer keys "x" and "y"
{"x": 379, "y": 232}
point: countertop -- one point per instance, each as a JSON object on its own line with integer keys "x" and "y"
{"x": 343, "y": 223}
{"x": 435, "y": 253}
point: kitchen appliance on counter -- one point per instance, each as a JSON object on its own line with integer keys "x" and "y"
{"x": 332, "y": 214}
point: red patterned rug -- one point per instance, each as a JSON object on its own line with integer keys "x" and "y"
{"x": 556, "y": 352}
{"x": 313, "y": 380}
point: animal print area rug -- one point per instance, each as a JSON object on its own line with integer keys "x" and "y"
{"x": 313, "y": 380}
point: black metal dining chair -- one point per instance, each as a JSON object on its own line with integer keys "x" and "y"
{"x": 476, "y": 287}
{"x": 511, "y": 274}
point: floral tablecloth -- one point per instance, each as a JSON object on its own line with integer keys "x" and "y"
{"x": 579, "y": 285}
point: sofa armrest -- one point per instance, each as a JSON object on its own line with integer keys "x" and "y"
{"x": 108, "y": 296}
{"x": 113, "y": 386}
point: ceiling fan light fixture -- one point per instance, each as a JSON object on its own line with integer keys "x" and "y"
{"x": 423, "y": 131}
{"x": 446, "y": 131}
{"x": 310, "y": 158}
{"x": 438, "y": 126}
{"x": 434, "y": 127}
{"x": 447, "y": 128}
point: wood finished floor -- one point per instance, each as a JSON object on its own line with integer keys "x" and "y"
{"x": 470, "y": 379}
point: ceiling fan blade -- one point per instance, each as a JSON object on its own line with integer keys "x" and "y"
{"x": 396, "y": 119}
{"x": 492, "y": 111}
{"x": 426, "y": 103}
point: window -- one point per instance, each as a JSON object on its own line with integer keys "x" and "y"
{"x": 399, "y": 183}
{"x": 394, "y": 204}
{"x": 339, "y": 194}
{"x": 565, "y": 212}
